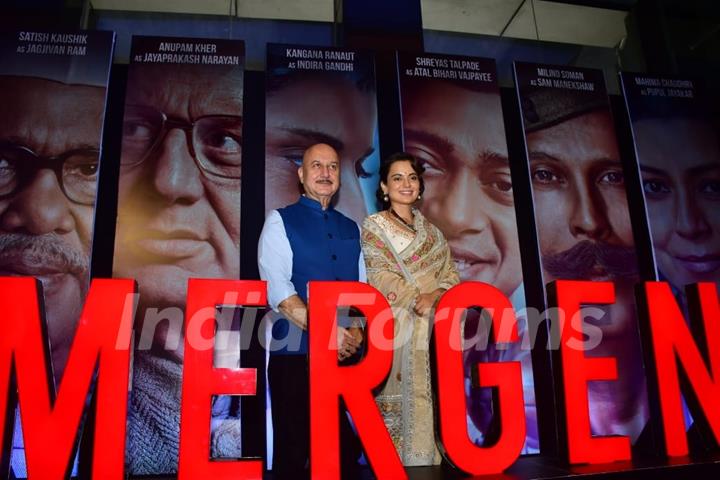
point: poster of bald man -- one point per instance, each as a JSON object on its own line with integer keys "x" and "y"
{"x": 583, "y": 225}
{"x": 178, "y": 218}
{"x": 321, "y": 95}
{"x": 53, "y": 90}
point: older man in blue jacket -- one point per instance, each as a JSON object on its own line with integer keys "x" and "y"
{"x": 308, "y": 240}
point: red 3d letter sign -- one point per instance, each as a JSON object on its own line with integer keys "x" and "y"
{"x": 577, "y": 370}
{"x": 201, "y": 381}
{"x": 50, "y": 422}
{"x": 330, "y": 381}
{"x": 506, "y": 377}
{"x": 672, "y": 343}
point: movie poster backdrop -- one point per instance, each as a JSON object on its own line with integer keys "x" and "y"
{"x": 178, "y": 218}
{"x": 53, "y": 90}
{"x": 453, "y": 124}
{"x": 678, "y": 151}
{"x": 321, "y": 95}
{"x": 583, "y": 225}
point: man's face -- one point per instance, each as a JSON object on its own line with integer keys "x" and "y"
{"x": 580, "y": 201}
{"x": 176, "y": 221}
{"x": 310, "y": 111}
{"x": 458, "y": 136}
{"x": 680, "y": 165}
{"x": 42, "y": 232}
{"x": 320, "y": 172}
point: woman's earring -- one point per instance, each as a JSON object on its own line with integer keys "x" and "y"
{"x": 419, "y": 197}
{"x": 385, "y": 197}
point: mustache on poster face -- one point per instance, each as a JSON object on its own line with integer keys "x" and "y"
{"x": 584, "y": 259}
{"x": 47, "y": 250}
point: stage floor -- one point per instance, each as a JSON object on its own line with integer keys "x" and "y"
{"x": 538, "y": 467}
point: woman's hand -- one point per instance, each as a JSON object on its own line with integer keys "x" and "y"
{"x": 425, "y": 301}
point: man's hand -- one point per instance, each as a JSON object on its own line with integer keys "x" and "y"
{"x": 425, "y": 301}
{"x": 356, "y": 332}
{"x": 347, "y": 343}
{"x": 294, "y": 309}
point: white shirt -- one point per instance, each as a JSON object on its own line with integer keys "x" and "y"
{"x": 275, "y": 260}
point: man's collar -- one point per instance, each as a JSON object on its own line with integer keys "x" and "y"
{"x": 314, "y": 204}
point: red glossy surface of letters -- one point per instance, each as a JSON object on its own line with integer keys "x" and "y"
{"x": 201, "y": 380}
{"x": 50, "y": 429}
{"x": 578, "y": 370}
{"x": 673, "y": 343}
{"x": 506, "y": 377}
{"x": 329, "y": 381}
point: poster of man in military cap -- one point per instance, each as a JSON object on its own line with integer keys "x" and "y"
{"x": 583, "y": 224}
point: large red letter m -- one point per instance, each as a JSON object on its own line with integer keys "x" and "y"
{"x": 50, "y": 423}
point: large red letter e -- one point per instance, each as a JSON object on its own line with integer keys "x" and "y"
{"x": 578, "y": 370}
{"x": 201, "y": 380}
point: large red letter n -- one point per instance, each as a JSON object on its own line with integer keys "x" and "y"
{"x": 672, "y": 343}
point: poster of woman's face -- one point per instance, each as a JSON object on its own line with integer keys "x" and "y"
{"x": 678, "y": 154}
{"x": 679, "y": 160}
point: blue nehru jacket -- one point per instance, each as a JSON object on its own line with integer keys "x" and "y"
{"x": 325, "y": 245}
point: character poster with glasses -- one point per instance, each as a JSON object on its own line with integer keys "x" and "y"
{"x": 178, "y": 218}
{"x": 321, "y": 95}
{"x": 583, "y": 226}
{"x": 453, "y": 124}
{"x": 53, "y": 89}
